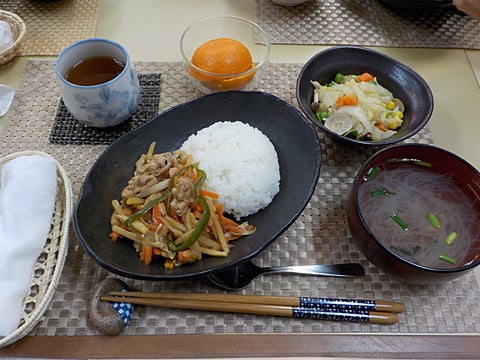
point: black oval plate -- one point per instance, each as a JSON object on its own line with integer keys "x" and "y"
{"x": 295, "y": 141}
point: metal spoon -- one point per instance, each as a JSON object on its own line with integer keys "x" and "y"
{"x": 240, "y": 276}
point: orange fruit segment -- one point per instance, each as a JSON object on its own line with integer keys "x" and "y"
{"x": 222, "y": 57}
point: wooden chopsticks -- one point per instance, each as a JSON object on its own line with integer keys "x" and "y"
{"x": 372, "y": 311}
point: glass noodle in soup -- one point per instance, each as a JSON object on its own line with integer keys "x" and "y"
{"x": 423, "y": 216}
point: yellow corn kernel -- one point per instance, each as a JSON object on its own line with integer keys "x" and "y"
{"x": 394, "y": 123}
{"x": 390, "y": 105}
{"x": 399, "y": 115}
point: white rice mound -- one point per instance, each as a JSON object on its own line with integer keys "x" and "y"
{"x": 241, "y": 165}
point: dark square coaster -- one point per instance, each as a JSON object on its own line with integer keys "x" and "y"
{"x": 66, "y": 130}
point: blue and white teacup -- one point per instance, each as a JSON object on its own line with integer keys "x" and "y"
{"x": 105, "y": 104}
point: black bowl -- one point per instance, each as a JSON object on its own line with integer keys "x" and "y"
{"x": 375, "y": 249}
{"x": 401, "y": 80}
{"x": 294, "y": 139}
{"x": 417, "y": 5}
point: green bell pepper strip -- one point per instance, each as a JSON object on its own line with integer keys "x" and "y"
{"x": 147, "y": 207}
{"x": 202, "y": 176}
{"x": 197, "y": 231}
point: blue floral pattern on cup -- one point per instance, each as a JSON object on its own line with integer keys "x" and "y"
{"x": 115, "y": 106}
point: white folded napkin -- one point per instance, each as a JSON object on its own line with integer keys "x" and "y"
{"x": 6, "y": 35}
{"x": 28, "y": 187}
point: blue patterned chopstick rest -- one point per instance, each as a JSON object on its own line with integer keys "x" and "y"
{"x": 124, "y": 309}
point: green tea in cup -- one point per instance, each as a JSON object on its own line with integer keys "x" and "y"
{"x": 94, "y": 70}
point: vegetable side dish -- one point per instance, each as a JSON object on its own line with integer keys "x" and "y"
{"x": 168, "y": 214}
{"x": 357, "y": 106}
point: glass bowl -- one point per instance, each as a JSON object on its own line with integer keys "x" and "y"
{"x": 251, "y": 35}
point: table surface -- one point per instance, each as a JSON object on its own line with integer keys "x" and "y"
{"x": 150, "y": 30}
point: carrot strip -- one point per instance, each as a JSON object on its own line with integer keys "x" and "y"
{"x": 228, "y": 222}
{"x": 219, "y": 210}
{"x": 157, "y": 251}
{"x": 114, "y": 235}
{"x": 347, "y": 100}
{"x": 156, "y": 215}
{"x": 146, "y": 254}
{"x": 366, "y": 77}
{"x": 208, "y": 193}
{"x": 380, "y": 126}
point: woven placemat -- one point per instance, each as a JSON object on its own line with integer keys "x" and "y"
{"x": 53, "y": 25}
{"x": 67, "y": 130}
{"x": 320, "y": 235}
{"x": 367, "y": 23}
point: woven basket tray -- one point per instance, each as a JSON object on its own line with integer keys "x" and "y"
{"x": 49, "y": 265}
{"x": 18, "y": 30}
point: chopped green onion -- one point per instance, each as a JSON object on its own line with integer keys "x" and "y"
{"x": 451, "y": 238}
{"x": 433, "y": 220}
{"x": 381, "y": 192}
{"x": 371, "y": 173}
{"x": 447, "y": 258}
{"x": 399, "y": 221}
